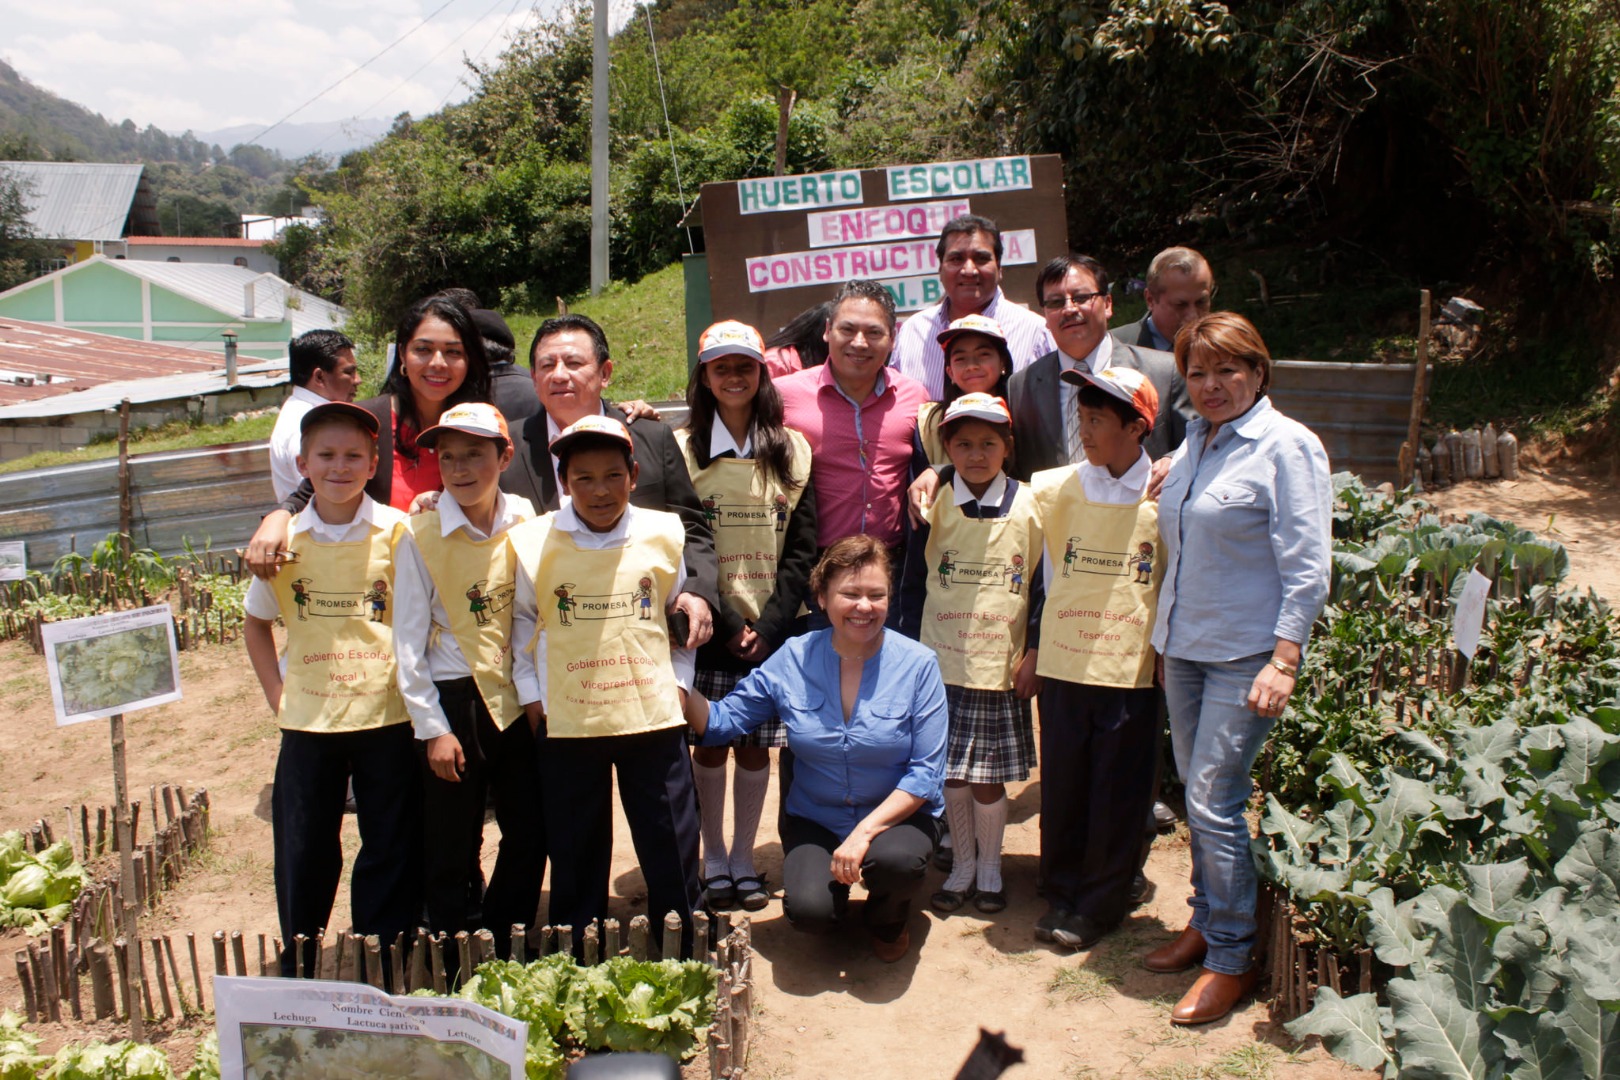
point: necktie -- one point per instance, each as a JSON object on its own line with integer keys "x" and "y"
{"x": 1071, "y": 421}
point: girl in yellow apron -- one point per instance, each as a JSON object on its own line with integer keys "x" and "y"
{"x": 966, "y": 596}
{"x": 752, "y": 475}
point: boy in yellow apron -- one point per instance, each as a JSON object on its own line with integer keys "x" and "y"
{"x": 453, "y": 589}
{"x": 963, "y": 597}
{"x": 1090, "y": 638}
{"x": 602, "y": 684}
{"x": 335, "y": 697}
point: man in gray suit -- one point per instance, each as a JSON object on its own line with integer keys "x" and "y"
{"x": 1180, "y": 287}
{"x": 1073, "y": 291}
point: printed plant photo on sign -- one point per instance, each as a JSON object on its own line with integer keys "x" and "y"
{"x": 13, "y": 560}
{"x": 274, "y": 1051}
{"x": 112, "y": 663}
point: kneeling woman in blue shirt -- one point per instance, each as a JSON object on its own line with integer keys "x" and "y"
{"x": 865, "y": 716}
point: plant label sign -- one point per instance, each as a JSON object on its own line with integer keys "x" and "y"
{"x": 1470, "y": 617}
{"x": 112, "y": 663}
{"x": 306, "y": 1027}
{"x": 13, "y": 560}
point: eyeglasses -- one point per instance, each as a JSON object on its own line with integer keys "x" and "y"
{"x": 1059, "y": 301}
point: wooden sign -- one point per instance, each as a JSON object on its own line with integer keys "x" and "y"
{"x": 777, "y": 245}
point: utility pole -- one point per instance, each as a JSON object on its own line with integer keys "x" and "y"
{"x": 599, "y": 147}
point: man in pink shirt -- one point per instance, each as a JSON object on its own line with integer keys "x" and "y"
{"x": 858, "y": 415}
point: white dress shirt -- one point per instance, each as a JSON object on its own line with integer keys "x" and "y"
{"x": 1095, "y": 362}
{"x": 286, "y": 440}
{"x": 529, "y": 642}
{"x": 427, "y": 651}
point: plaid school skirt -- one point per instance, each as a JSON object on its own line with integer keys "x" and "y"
{"x": 992, "y": 736}
{"x": 714, "y": 685}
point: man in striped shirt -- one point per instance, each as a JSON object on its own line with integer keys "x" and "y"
{"x": 969, "y": 252}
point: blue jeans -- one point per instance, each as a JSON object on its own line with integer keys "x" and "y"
{"x": 1216, "y": 738}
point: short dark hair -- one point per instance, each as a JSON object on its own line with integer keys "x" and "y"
{"x": 464, "y": 297}
{"x": 864, "y": 289}
{"x": 969, "y": 223}
{"x": 590, "y": 441}
{"x": 848, "y": 555}
{"x": 1095, "y": 397}
{"x": 1058, "y": 269}
{"x": 562, "y": 324}
{"x": 314, "y": 350}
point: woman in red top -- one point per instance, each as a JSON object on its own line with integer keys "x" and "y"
{"x": 441, "y": 363}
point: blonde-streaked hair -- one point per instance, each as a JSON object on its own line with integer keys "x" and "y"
{"x": 1224, "y": 333}
{"x": 846, "y": 556}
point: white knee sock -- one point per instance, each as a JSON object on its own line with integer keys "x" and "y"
{"x": 989, "y": 827}
{"x": 711, "y": 792}
{"x": 747, "y": 801}
{"x": 959, "y": 812}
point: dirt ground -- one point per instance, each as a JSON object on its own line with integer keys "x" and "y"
{"x": 827, "y": 1008}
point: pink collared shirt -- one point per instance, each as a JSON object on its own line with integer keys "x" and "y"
{"x": 862, "y": 458}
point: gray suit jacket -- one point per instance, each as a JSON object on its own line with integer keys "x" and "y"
{"x": 1036, "y": 394}
{"x": 1136, "y": 333}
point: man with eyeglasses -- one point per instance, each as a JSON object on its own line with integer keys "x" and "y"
{"x": 969, "y": 251}
{"x": 1180, "y": 288}
{"x": 1073, "y": 292}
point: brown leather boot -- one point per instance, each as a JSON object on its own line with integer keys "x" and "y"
{"x": 1213, "y": 995}
{"x": 1181, "y": 954}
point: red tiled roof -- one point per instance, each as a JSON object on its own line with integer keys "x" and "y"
{"x": 85, "y": 359}
{"x": 194, "y": 241}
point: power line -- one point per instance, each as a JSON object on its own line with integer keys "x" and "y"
{"x": 680, "y": 192}
{"x": 532, "y": 8}
{"x": 387, "y": 48}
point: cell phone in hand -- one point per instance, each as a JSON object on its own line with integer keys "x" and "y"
{"x": 680, "y": 629}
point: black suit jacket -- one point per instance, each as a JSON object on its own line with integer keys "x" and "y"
{"x": 512, "y": 390}
{"x": 661, "y": 484}
{"x": 1035, "y": 395}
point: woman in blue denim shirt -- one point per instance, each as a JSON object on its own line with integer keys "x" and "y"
{"x": 865, "y": 716}
{"x": 1245, "y": 518}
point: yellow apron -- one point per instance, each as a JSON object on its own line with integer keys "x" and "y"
{"x": 337, "y": 601}
{"x": 607, "y": 643}
{"x": 929, "y": 414}
{"x": 1104, "y": 590}
{"x": 748, "y": 512}
{"x": 976, "y": 610}
{"x": 473, "y": 579}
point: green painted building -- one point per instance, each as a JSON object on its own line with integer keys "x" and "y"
{"x": 188, "y": 304}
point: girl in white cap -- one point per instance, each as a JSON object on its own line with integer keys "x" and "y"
{"x": 964, "y": 596}
{"x": 753, "y": 474}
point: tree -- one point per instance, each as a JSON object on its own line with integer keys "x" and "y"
{"x": 799, "y": 47}
{"x": 18, "y": 248}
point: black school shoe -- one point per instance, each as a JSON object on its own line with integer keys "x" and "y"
{"x": 1079, "y": 932}
{"x": 1055, "y": 916}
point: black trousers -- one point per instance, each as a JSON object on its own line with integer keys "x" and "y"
{"x": 502, "y": 762}
{"x": 313, "y": 771}
{"x": 1097, "y": 770}
{"x": 660, "y": 804}
{"x": 892, "y": 873}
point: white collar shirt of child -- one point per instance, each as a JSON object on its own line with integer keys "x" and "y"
{"x": 427, "y": 651}
{"x": 528, "y": 663}
{"x": 721, "y": 443}
{"x": 552, "y": 431}
{"x": 1101, "y": 486}
{"x": 992, "y": 495}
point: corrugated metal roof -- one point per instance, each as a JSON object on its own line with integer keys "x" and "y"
{"x": 75, "y": 361}
{"x": 194, "y": 241}
{"x": 224, "y": 288}
{"x": 73, "y": 200}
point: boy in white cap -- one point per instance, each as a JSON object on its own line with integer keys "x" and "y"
{"x": 1090, "y": 644}
{"x": 963, "y": 596}
{"x": 453, "y": 591}
{"x": 603, "y": 685}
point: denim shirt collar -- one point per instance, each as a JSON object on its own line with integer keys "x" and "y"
{"x": 1251, "y": 425}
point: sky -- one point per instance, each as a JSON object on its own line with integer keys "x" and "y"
{"x": 209, "y": 64}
